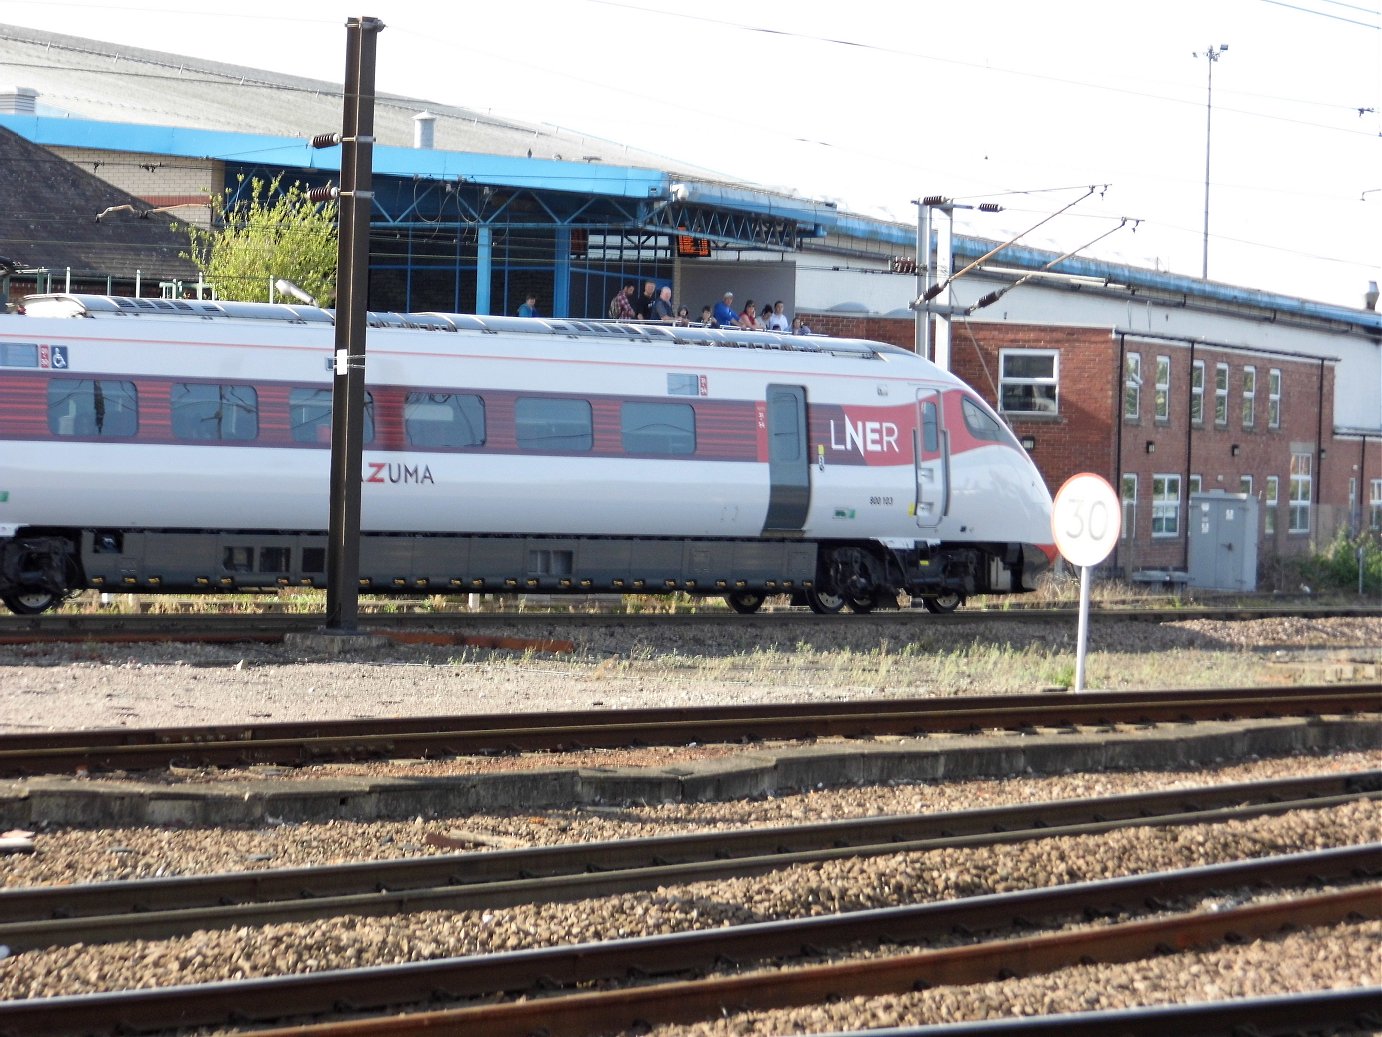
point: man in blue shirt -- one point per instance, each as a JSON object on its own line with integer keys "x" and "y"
{"x": 529, "y": 307}
{"x": 725, "y": 314}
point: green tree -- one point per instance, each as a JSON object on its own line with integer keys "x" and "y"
{"x": 271, "y": 232}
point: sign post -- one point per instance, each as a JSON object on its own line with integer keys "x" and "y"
{"x": 1086, "y": 520}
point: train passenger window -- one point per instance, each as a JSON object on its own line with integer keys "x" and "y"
{"x": 542, "y": 423}
{"x": 658, "y": 428}
{"x": 309, "y": 413}
{"x": 444, "y": 419}
{"x": 981, "y": 424}
{"x": 92, "y": 407}
{"x": 214, "y": 412}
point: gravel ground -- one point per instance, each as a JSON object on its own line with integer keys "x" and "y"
{"x": 617, "y": 665}
{"x": 849, "y": 884}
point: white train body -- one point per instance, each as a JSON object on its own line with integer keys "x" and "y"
{"x": 500, "y": 453}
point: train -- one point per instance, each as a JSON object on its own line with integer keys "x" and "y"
{"x": 171, "y": 445}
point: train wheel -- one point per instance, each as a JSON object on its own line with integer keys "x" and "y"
{"x": 944, "y": 603}
{"x": 31, "y": 603}
{"x": 823, "y": 603}
{"x": 745, "y": 602}
{"x": 861, "y": 605}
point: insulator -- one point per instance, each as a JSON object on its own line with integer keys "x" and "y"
{"x": 326, "y": 140}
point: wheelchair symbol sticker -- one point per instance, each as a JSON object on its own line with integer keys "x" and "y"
{"x": 54, "y": 357}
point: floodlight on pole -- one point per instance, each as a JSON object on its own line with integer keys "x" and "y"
{"x": 1211, "y": 55}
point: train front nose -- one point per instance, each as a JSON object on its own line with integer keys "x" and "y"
{"x": 1037, "y": 560}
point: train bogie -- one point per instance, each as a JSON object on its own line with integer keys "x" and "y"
{"x": 147, "y": 451}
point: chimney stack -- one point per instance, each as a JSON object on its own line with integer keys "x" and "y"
{"x": 18, "y": 100}
{"x": 424, "y": 130}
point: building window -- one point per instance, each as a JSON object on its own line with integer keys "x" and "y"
{"x": 92, "y": 407}
{"x": 658, "y": 428}
{"x": 1129, "y": 487}
{"x": 1028, "y": 380}
{"x": 1245, "y": 485}
{"x": 1165, "y": 505}
{"x": 1197, "y": 392}
{"x": 1273, "y": 398}
{"x": 1132, "y": 386}
{"x": 214, "y": 412}
{"x": 1375, "y": 505}
{"x": 1270, "y": 496}
{"x": 1163, "y": 388}
{"x": 1249, "y": 397}
{"x": 443, "y": 419}
{"x": 1221, "y": 394}
{"x": 1301, "y": 469}
{"x": 551, "y": 425}
{"x": 1195, "y": 485}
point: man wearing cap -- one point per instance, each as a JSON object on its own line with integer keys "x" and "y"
{"x": 725, "y": 315}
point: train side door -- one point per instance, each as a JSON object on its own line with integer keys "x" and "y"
{"x": 789, "y": 468}
{"x": 931, "y": 449}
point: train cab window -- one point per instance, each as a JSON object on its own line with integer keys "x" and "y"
{"x": 92, "y": 407}
{"x": 310, "y": 415}
{"x": 658, "y": 428}
{"x": 543, "y": 423}
{"x": 214, "y": 412}
{"x": 982, "y": 424}
{"x": 442, "y": 419}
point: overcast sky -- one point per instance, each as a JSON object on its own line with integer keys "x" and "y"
{"x": 874, "y": 103}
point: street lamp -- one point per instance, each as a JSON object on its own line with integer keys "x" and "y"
{"x": 1210, "y": 55}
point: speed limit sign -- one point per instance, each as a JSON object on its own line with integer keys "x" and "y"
{"x": 1086, "y": 519}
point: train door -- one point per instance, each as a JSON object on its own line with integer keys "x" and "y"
{"x": 789, "y": 468}
{"x": 932, "y": 454}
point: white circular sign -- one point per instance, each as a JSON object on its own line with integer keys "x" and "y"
{"x": 1086, "y": 519}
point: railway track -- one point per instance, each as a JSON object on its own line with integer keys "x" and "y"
{"x": 548, "y": 979}
{"x": 106, "y": 912}
{"x": 272, "y": 626}
{"x": 109, "y": 749}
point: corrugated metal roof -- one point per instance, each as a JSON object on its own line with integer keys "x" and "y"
{"x": 90, "y": 79}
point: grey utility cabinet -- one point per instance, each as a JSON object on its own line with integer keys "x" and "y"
{"x": 1223, "y": 541}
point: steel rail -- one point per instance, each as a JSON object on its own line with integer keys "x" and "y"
{"x": 1319, "y": 1011}
{"x": 564, "y": 967}
{"x": 695, "y": 1000}
{"x": 107, "y": 912}
{"x": 37, "y": 753}
{"x": 93, "y": 738}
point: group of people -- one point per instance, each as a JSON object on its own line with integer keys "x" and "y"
{"x": 653, "y": 304}
{"x": 656, "y": 305}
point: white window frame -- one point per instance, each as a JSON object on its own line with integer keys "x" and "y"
{"x": 1165, "y": 505}
{"x": 1274, "y": 397}
{"x": 1163, "y": 388}
{"x": 1245, "y": 485}
{"x": 1249, "y": 396}
{"x": 1195, "y": 485}
{"x": 1221, "y": 395}
{"x": 1197, "y": 392}
{"x": 1128, "y": 490}
{"x": 1132, "y": 386}
{"x": 1271, "y": 493}
{"x": 1051, "y": 381}
{"x": 1300, "y": 493}
{"x": 1375, "y": 505}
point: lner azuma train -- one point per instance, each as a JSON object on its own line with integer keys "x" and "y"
{"x": 151, "y": 445}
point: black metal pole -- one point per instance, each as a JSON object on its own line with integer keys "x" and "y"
{"x": 352, "y": 284}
